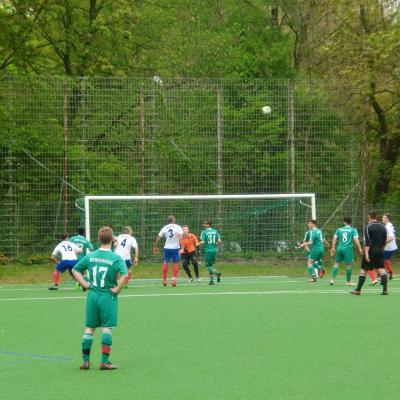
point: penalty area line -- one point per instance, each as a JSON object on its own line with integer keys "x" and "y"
{"x": 230, "y": 293}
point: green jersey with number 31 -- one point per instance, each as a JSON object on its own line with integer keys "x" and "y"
{"x": 210, "y": 238}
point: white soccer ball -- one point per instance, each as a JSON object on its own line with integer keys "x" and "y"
{"x": 266, "y": 109}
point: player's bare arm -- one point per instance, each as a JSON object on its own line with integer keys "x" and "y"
{"x": 79, "y": 277}
{"x": 333, "y": 248}
{"x": 358, "y": 244}
{"x": 155, "y": 249}
{"x": 121, "y": 283}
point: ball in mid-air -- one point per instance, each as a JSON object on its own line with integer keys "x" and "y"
{"x": 266, "y": 109}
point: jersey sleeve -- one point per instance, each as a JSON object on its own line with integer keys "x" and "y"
{"x": 82, "y": 265}
{"x": 89, "y": 246}
{"x": 121, "y": 267}
{"x": 162, "y": 233}
{"x": 56, "y": 250}
{"x": 390, "y": 231}
{"x": 134, "y": 243}
{"x": 336, "y": 235}
{"x": 202, "y": 236}
{"x": 355, "y": 233}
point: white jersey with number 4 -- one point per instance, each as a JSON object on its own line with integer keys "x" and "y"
{"x": 172, "y": 234}
{"x": 67, "y": 250}
{"x": 125, "y": 243}
{"x": 391, "y": 232}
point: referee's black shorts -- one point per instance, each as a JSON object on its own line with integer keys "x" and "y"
{"x": 377, "y": 260}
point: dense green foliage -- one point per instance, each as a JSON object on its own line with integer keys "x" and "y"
{"x": 340, "y": 58}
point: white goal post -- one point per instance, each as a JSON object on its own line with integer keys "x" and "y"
{"x": 162, "y": 198}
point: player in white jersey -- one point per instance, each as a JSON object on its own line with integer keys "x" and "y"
{"x": 391, "y": 246}
{"x": 172, "y": 248}
{"x": 67, "y": 251}
{"x": 124, "y": 244}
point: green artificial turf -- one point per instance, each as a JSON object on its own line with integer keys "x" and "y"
{"x": 245, "y": 338}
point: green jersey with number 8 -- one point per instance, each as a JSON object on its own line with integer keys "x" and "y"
{"x": 104, "y": 268}
{"x": 345, "y": 236}
{"x": 210, "y": 238}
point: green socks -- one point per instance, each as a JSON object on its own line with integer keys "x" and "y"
{"x": 348, "y": 274}
{"x": 87, "y": 342}
{"x": 335, "y": 270}
{"x": 106, "y": 342}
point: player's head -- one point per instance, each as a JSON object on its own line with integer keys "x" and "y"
{"x": 311, "y": 223}
{"x": 372, "y": 215}
{"x": 206, "y": 223}
{"x": 347, "y": 220}
{"x": 185, "y": 229}
{"x": 171, "y": 219}
{"x": 64, "y": 236}
{"x": 106, "y": 234}
{"x": 81, "y": 231}
{"x": 128, "y": 230}
{"x": 386, "y": 217}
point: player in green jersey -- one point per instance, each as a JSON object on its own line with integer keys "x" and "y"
{"x": 316, "y": 245}
{"x": 211, "y": 240}
{"x": 344, "y": 236}
{"x": 80, "y": 241}
{"x": 317, "y": 263}
{"x": 105, "y": 268}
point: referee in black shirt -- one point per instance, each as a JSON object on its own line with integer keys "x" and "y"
{"x": 375, "y": 241}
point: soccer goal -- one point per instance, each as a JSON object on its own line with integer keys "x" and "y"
{"x": 254, "y": 224}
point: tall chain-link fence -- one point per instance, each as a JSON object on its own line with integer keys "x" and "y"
{"x": 63, "y": 138}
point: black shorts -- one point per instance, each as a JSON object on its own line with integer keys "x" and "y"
{"x": 377, "y": 260}
{"x": 189, "y": 257}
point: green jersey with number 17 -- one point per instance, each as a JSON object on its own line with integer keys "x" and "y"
{"x": 210, "y": 238}
{"x": 345, "y": 236}
{"x": 104, "y": 267}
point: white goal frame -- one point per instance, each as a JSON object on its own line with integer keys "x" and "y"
{"x": 299, "y": 196}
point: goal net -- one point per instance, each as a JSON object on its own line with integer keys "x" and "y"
{"x": 251, "y": 226}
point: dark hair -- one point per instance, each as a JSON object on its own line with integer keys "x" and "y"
{"x": 347, "y": 220}
{"x": 105, "y": 234}
{"x": 207, "y": 222}
{"x": 388, "y": 216}
{"x": 171, "y": 219}
{"x": 313, "y": 221}
{"x": 372, "y": 214}
{"x": 64, "y": 236}
{"x": 81, "y": 231}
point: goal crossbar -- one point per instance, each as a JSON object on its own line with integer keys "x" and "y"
{"x": 311, "y": 196}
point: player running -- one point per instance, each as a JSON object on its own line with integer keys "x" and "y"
{"x": 172, "y": 248}
{"x": 316, "y": 245}
{"x": 124, "y": 244}
{"x": 212, "y": 246}
{"x": 68, "y": 252}
{"x": 345, "y": 236}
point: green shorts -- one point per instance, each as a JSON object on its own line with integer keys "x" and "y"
{"x": 316, "y": 254}
{"x": 344, "y": 255}
{"x": 101, "y": 310}
{"x": 210, "y": 257}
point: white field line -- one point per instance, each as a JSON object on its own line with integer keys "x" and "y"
{"x": 248, "y": 293}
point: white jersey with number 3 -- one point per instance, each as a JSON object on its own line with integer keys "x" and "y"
{"x": 172, "y": 234}
{"x": 67, "y": 250}
{"x": 125, "y": 243}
